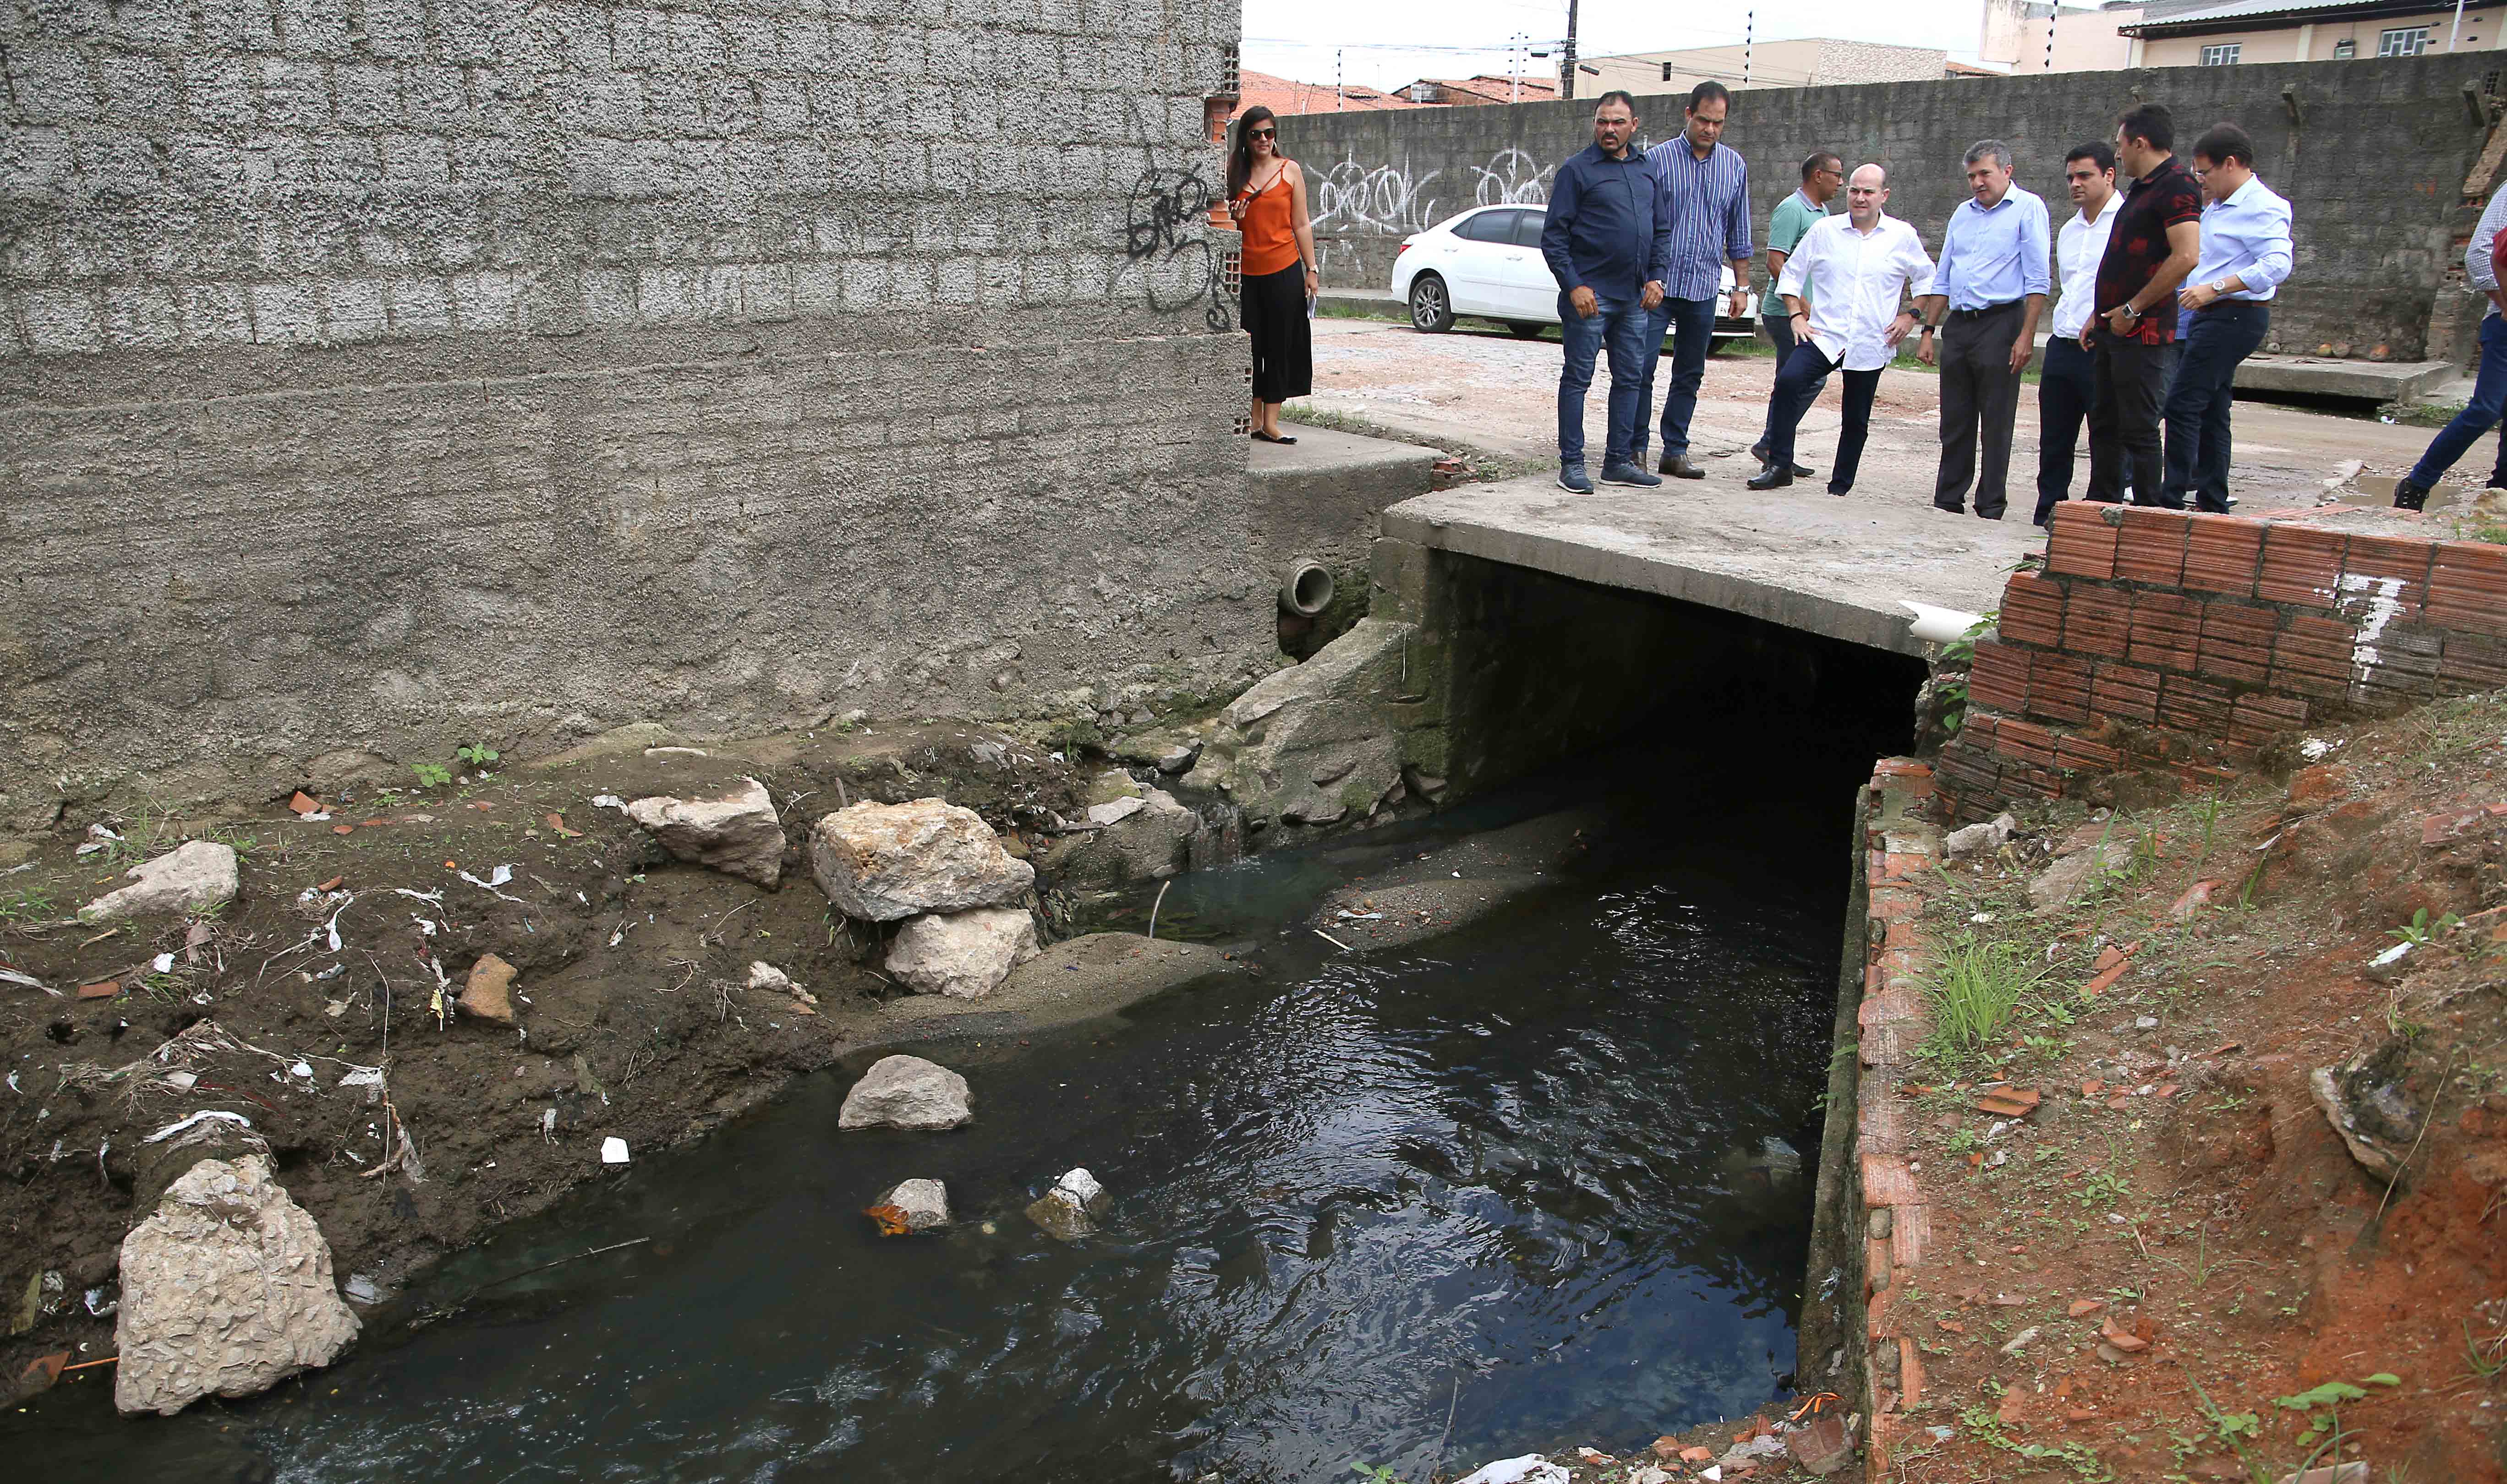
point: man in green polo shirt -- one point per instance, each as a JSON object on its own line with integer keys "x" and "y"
{"x": 1822, "y": 175}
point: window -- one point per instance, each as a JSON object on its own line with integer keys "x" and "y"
{"x": 1666, "y": 72}
{"x": 2222, "y": 56}
{"x": 2344, "y": 49}
{"x": 1527, "y": 232}
{"x": 1489, "y": 227}
{"x": 2403, "y": 41}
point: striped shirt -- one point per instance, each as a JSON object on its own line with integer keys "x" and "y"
{"x": 1707, "y": 202}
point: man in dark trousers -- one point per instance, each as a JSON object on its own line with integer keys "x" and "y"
{"x": 2156, "y": 241}
{"x": 1606, "y": 245}
{"x": 2224, "y": 310}
{"x": 1703, "y": 193}
{"x": 2069, "y": 378}
{"x": 1823, "y": 175}
{"x": 1986, "y": 295}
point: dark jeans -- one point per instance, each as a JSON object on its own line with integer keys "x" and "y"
{"x": 1621, "y": 327}
{"x": 1691, "y": 322}
{"x": 1798, "y": 384}
{"x": 2124, "y": 419}
{"x": 1979, "y": 398}
{"x": 2066, "y": 382}
{"x": 2197, "y": 401}
{"x": 2479, "y": 416}
{"x": 1780, "y": 334}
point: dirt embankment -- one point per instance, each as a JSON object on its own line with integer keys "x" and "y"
{"x": 635, "y": 1016}
{"x": 2175, "y": 1266}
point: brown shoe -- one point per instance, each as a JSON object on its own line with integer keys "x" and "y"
{"x": 1678, "y": 467}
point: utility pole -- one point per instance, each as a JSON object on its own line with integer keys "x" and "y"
{"x": 1340, "y": 100}
{"x": 1749, "y": 36}
{"x": 1566, "y": 62}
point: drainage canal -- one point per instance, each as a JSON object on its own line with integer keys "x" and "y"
{"x": 1538, "y": 1181}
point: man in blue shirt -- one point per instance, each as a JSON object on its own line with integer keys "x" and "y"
{"x": 1606, "y": 245}
{"x": 2225, "y": 306}
{"x": 1705, "y": 195}
{"x": 1992, "y": 280}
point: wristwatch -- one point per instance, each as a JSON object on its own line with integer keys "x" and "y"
{"x": 2130, "y": 313}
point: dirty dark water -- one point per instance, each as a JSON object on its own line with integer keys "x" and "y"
{"x": 1507, "y": 1189}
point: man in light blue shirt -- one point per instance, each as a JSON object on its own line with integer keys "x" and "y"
{"x": 2246, "y": 255}
{"x": 1704, "y": 193}
{"x": 1992, "y": 285}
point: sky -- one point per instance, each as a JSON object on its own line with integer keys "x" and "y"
{"x": 1387, "y": 42}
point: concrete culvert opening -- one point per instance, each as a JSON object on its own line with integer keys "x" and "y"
{"x": 1305, "y": 588}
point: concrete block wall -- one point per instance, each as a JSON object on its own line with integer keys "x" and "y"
{"x": 2373, "y": 158}
{"x": 386, "y": 376}
{"x": 2172, "y": 648}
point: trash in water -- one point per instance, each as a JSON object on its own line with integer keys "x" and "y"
{"x": 1531, "y": 1468}
{"x": 361, "y": 1290}
{"x": 613, "y": 1150}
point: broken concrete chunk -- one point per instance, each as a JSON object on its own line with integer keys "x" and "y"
{"x": 2367, "y": 1102}
{"x": 488, "y": 992}
{"x": 1150, "y": 840}
{"x": 196, "y": 875}
{"x": 880, "y": 862}
{"x": 1988, "y": 836}
{"x": 763, "y": 975}
{"x": 226, "y": 1290}
{"x": 907, "y": 1092}
{"x": 964, "y": 955}
{"x": 920, "y": 1206}
{"x": 736, "y": 832}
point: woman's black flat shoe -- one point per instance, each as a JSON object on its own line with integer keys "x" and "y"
{"x": 1273, "y": 437}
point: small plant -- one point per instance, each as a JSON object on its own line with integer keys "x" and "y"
{"x": 2419, "y": 932}
{"x": 1975, "y": 988}
{"x": 2209, "y": 815}
{"x": 1375, "y": 1473}
{"x": 2487, "y": 1358}
{"x": 476, "y": 754}
{"x": 2106, "y": 1185}
{"x": 1962, "y": 1141}
{"x": 432, "y": 775}
{"x": 31, "y": 905}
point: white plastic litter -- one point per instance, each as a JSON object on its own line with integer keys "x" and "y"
{"x": 1938, "y": 626}
{"x": 437, "y": 897}
{"x": 608, "y": 801}
{"x": 1531, "y": 1468}
{"x": 363, "y": 1076}
{"x": 613, "y": 1150}
{"x": 204, "y": 1115}
{"x": 181, "y": 1081}
{"x": 303, "y": 1069}
{"x": 2393, "y": 955}
{"x": 11, "y": 976}
{"x": 496, "y": 878}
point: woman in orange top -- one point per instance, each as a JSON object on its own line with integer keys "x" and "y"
{"x": 1266, "y": 195}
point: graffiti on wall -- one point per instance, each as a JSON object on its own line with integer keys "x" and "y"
{"x": 1393, "y": 199}
{"x": 1166, "y": 237}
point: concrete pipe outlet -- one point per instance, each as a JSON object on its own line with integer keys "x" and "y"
{"x": 1305, "y": 588}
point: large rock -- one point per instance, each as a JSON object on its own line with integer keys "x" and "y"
{"x": 1317, "y": 743}
{"x": 965, "y": 955}
{"x": 488, "y": 992}
{"x": 920, "y": 1206}
{"x": 196, "y": 875}
{"x": 903, "y": 1092}
{"x": 736, "y": 832}
{"x": 1150, "y": 840}
{"x": 226, "y": 1290}
{"x": 880, "y": 862}
{"x": 1065, "y": 1211}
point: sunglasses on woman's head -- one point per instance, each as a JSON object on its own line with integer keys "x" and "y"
{"x": 1265, "y": 133}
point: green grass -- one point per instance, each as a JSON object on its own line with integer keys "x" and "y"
{"x": 2421, "y": 414}
{"x": 1975, "y": 988}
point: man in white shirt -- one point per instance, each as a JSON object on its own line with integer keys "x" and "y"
{"x": 1859, "y": 272}
{"x": 2226, "y": 304}
{"x": 2068, "y": 381}
{"x": 2489, "y": 384}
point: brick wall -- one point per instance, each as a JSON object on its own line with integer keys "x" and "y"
{"x": 2375, "y": 173}
{"x": 384, "y": 376}
{"x": 2172, "y": 648}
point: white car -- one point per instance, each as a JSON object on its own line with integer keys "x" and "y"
{"x": 1486, "y": 263}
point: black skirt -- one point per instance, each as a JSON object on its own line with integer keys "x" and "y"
{"x": 1284, "y": 342}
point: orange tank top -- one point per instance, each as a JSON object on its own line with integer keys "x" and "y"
{"x": 1270, "y": 237}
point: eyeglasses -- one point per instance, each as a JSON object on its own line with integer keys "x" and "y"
{"x": 1264, "y": 134}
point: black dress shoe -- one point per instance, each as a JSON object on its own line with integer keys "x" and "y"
{"x": 2409, "y": 496}
{"x": 1678, "y": 467}
{"x": 1772, "y": 478}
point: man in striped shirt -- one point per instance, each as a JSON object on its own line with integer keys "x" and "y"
{"x": 1703, "y": 192}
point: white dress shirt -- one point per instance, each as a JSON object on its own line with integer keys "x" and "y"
{"x": 2076, "y": 249}
{"x": 2475, "y": 253}
{"x": 1994, "y": 257}
{"x": 1859, "y": 280}
{"x": 2246, "y": 236}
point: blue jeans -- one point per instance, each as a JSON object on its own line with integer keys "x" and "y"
{"x": 1691, "y": 322}
{"x": 1780, "y": 334}
{"x": 2479, "y": 416}
{"x": 1620, "y": 326}
{"x": 2196, "y": 459}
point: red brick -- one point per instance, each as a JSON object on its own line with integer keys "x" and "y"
{"x": 2024, "y": 742}
{"x": 2397, "y": 668}
{"x": 2301, "y": 566}
{"x": 2167, "y": 630}
{"x": 2083, "y": 540}
{"x": 2312, "y": 657}
{"x": 2223, "y": 554}
{"x": 2125, "y": 693}
{"x": 2388, "y": 568}
{"x": 2097, "y": 621}
{"x": 2468, "y": 586}
{"x": 2195, "y": 707}
{"x": 1998, "y": 678}
{"x": 2032, "y": 610}
{"x": 2256, "y": 719}
{"x": 2059, "y": 688}
{"x": 2236, "y": 642}
{"x": 2472, "y": 663}
{"x": 2080, "y": 752}
{"x": 2151, "y": 548}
